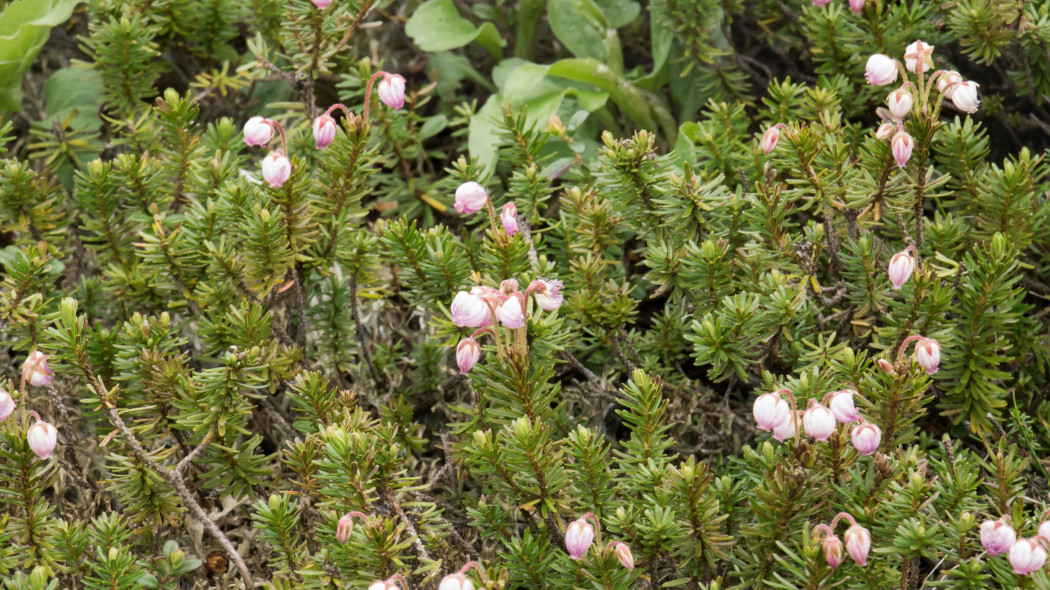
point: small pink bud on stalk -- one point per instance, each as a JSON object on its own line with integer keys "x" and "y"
{"x": 324, "y": 131}
{"x": 623, "y": 553}
{"x": 345, "y": 526}
{"x": 900, "y": 102}
{"x": 1028, "y": 555}
{"x": 900, "y": 268}
{"x": 7, "y": 405}
{"x": 833, "y": 551}
{"x": 856, "y": 6}
{"x": 509, "y": 217}
{"x": 467, "y": 354}
{"x": 578, "y": 537}
{"x": 886, "y": 131}
{"x": 842, "y": 406}
{"x": 547, "y": 294}
{"x": 928, "y": 354}
{"x": 770, "y": 410}
{"x": 787, "y": 429}
{"x": 771, "y": 138}
{"x": 880, "y": 70}
{"x": 866, "y": 438}
{"x": 858, "y": 543}
{"x": 917, "y": 55}
{"x": 456, "y": 581}
{"x": 997, "y": 536}
{"x": 321, "y": 4}
{"x": 886, "y": 366}
{"x": 470, "y": 311}
{"x": 35, "y": 370}
{"x": 391, "y": 91}
{"x": 276, "y": 169}
{"x": 511, "y": 314}
{"x": 964, "y": 97}
{"x": 470, "y": 198}
{"x": 42, "y": 438}
{"x": 902, "y": 145}
{"x": 258, "y": 131}
{"x": 818, "y": 421}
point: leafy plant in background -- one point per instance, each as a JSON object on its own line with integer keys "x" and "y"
{"x": 330, "y": 293}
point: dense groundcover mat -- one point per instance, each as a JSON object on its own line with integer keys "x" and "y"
{"x": 455, "y": 294}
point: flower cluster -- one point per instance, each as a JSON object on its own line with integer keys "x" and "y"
{"x": 1026, "y": 555}
{"x": 858, "y": 541}
{"x": 776, "y": 412}
{"x": 42, "y": 436}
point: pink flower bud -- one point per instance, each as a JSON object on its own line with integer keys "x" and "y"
{"x": 456, "y": 582}
{"x": 392, "y": 91}
{"x": 343, "y": 528}
{"x": 916, "y": 55}
{"x": 770, "y": 411}
{"x": 35, "y": 370}
{"x": 321, "y": 4}
{"x": 886, "y": 131}
{"x": 842, "y": 407}
{"x": 858, "y": 543}
{"x": 770, "y": 139}
{"x": 997, "y": 537}
{"x": 821, "y": 2}
{"x": 547, "y": 294}
{"x": 276, "y": 169}
{"x": 469, "y": 310}
{"x": 470, "y": 198}
{"x": 947, "y": 82}
{"x": 901, "y": 266}
{"x": 324, "y": 131}
{"x": 1027, "y": 556}
{"x": 901, "y": 145}
{"x": 818, "y": 421}
{"x": 856, "y": 6}
{"x": 7, "y": 405}
{"x": 928, "y": 354}
{"x": 578, "y": 538}
{"x": 886, "y": 366}
{"x": 258, "y": 131}
{"x": 900, "y": 102}
{"x": 833, "y": 552}
{"x": 42, "y": 438}
{"x": 467, "y": 354}
{"x": 880, "y": 70}
{"x": 511, "y": 314}
{"x": 623, "y": 553}
{"x": 866, "y": 438}
{"x": 786, "y": 429}
{"x": 509, "y": 217}
{"x": 964, "y": 97}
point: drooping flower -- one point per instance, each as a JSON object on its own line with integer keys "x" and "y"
{"x": 258, "y": 131}
{"x": 469, "y": 310}
{"x": 786, "y": 429}
{"x": 900, "y": 102}
{"x": 35, "y": 370}
{"x": 866, "y": 438}
{"x": 623, "y": 553}
{"x": 997, "y": 536}
{"x": 578, "y": 538}
{"x": 770, "y": 139}
{"x": 470, "y": 198}
{"x": 321, "y": 4}
{"x": 456, "y": 581}
{"x": 842, "y": 406}
{"x": 900, "y": 268}
{"x": 276, "y": 168}
{"x": 324, "y": 131}
{"x": 547, "y": 294}
{"x": 42, "y": 438}
{"x": 858, "y": 543}
{"x": 833, "y": 551}
{"x": 392, "y": 91}
{"x": 880, "y": 70}
{"x": 770, "y": 411}
{"x": 928, "y": 355}
{"x": 343, "y": 528}
{"x": 917, "y": 55}
{"x": 886, "y": 131}
{"x": 509, "y": 217}
{"x": 1027, "y": 556}
{"x": 964, "y": 97}
{"x": 7, "y": 405}
{"x": 467, "y": 354}
{"x": 947, "y": 83}
{"x": 818, "y": 421}
{"x": 511, "y": 314}
{"x": 902, "y": 145}
{"x": 856, "y": 6}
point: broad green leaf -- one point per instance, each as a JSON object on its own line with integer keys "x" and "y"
{"x": 438, "y": 26}
{"x": 619, "y": 13}
{"x": 24, "y": 28}
{"x": 580, "y": 26}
